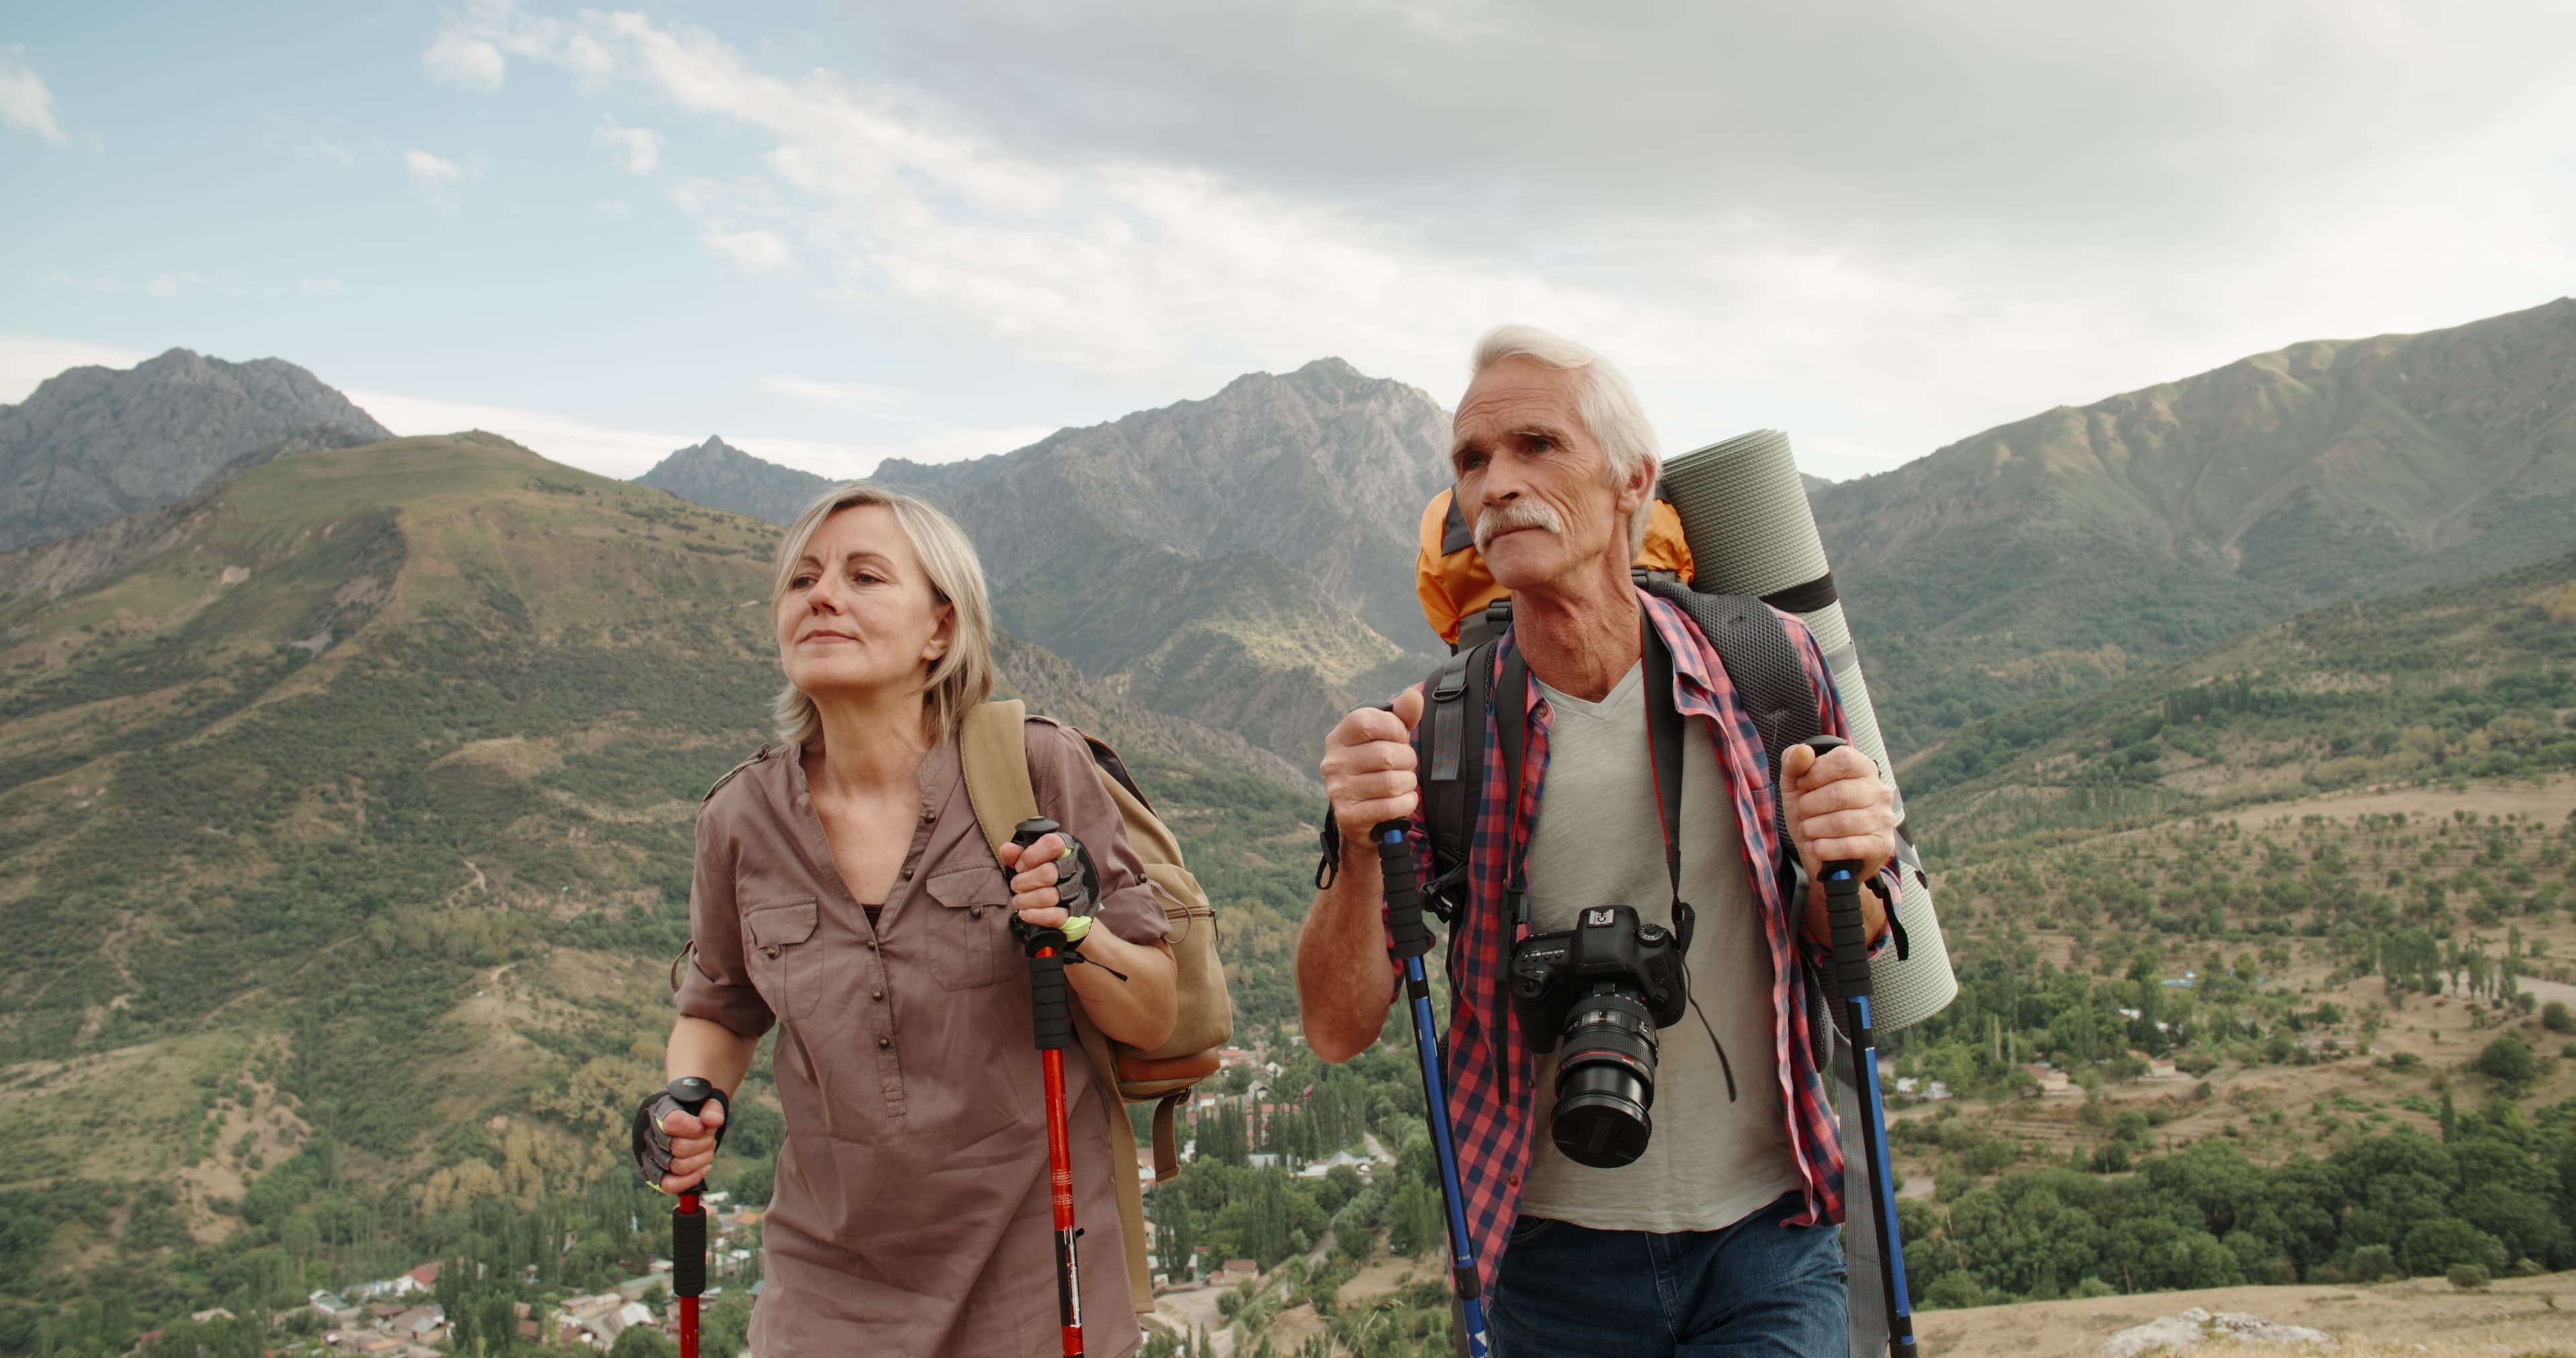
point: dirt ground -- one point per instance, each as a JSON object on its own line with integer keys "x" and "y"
{"x": 2515, "y": 1318}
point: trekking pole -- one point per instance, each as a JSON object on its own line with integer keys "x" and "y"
{"x": 1843, "y": 886}
{"x": 1410, "y": 939}
{"x": 1053, "y": 1011}
{"x": 689, "y": 1227}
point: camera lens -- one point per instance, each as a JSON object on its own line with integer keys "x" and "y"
{"x": 1605, "y": 1081}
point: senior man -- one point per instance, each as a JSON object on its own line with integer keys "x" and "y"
{"x": 1718, "y": 1239}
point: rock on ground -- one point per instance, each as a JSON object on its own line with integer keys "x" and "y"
{"x": 2196, "y": 1325}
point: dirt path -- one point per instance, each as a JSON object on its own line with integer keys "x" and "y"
{"x": 2420, "y": 1318}
{"x": 2549, "y": 803}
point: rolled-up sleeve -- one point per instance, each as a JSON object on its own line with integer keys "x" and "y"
{"x": 1068, "y": 788}
{"x": 715, "y": 986}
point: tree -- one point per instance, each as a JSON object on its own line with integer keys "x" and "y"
{"x": 2509, "y": 1063}
{"x": 2431, "y": 1247}
{"x": 1415, "y": 1221}
{"x": 1175, "y": 1234}
{"x": 642, "y": 1341}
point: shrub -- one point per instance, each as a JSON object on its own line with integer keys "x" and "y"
{"x": 2508, "y": 1062}
{"x": 2371, "y": 1263}
{"x": 2468, "y": 1276}
{"x": 2555, "y": 1017}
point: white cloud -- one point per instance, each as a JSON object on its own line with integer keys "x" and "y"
{"x": 755, "y": 249}
{"x": 1880, "y": 240}
{"x": 317, "y": 287}
{"x": 334, "y": 152}
{"x": 638, "y": 149}
{"x": 628, "y": 453}
{"x": 174, "y": 283}
{"x": 102, "y": 283}
{"x": 25, "y": 103}
{"x": 437, "y": 179}
{"x": 26, "y": 360}
{"x": 857, "y": 398}
{"x": 611, "y": 209}
{"x": 458, "y": 59}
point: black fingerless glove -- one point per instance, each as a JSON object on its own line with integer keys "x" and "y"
{"x": 653, "y": 1145}
{"x": 1077, "y": 882}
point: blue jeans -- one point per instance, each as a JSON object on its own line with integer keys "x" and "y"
{"x": 1756, "y": 1289}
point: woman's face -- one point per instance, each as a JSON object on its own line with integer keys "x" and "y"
{"x": 859, "y": 616}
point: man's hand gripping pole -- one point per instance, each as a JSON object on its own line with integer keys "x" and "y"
{"x": 1850, "y": 988}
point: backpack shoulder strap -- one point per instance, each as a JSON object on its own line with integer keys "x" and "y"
{"x": 993, "y": 753}
{"x": 1453, "y": 767}
{"x": 993, "y": 750}
{"x": 1762, "y": 663}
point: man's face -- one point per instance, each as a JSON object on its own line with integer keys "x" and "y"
{"x": 1524, "y": 461}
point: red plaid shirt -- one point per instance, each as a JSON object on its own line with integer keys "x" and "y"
{"x": 1488, "y": 1066}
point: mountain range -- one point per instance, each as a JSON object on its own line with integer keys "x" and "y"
{"x": 1245, "y": 561}
{"x": 2054, "y": 551}
{"x": 93, "y": 444}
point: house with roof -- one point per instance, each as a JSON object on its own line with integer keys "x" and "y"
{"x": 419, "y": 1325}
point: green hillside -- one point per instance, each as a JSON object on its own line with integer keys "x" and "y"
{"x": 1233, "y": 641}
{"x": 2057, "y": 551}
{"x": 344, "y": 842}
{"x": 2442, "y": 684}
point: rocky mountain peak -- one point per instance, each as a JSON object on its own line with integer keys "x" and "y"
{"x": 94, "y": 444}
{"x": 720, "y": 476}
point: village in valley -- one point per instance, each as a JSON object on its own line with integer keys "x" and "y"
{"x": 401, "y": 1316}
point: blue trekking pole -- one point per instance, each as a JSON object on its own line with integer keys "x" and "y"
{"x": 1851, "y": 983}
{"x": 1411, "y": 938}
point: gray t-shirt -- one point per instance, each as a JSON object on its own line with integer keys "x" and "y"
{"x": 1599, "y": 841}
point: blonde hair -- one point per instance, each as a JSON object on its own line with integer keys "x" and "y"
{"x": 1603, "y": 400}
{"x": 963, "y": 674}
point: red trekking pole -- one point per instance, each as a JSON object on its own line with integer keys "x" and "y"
{"x": 689, "y": 1228}
{"x": 1053, "y": 1011}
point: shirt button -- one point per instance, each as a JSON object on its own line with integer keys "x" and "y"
{"x": 884, "y": 1042}
{"x": 904, "y": 876}
{"x": 1513, "y": 1179}
{"x": 876, "y": 994}
{"x": 772, "y": 950}
{"x": 872, "y": 945}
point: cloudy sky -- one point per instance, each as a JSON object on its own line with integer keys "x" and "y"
{"x": 834, "y": 232}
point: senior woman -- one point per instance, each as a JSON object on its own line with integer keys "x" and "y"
{"x": 844, "y": 892}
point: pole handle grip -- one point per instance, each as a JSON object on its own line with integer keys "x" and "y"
{"x": 1050, "y": 999}
{"x": 688, "y": 1221}
{"x": 691, "y": 1093}
{"x": 1847, "y": 925}
{"x": 1409, "y": 936}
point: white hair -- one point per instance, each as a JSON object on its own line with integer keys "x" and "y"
{"x": 1603, "y": 400}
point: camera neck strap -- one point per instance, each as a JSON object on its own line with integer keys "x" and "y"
{"x": 1514, "y": 737}
{"x": 1664, "y": 756}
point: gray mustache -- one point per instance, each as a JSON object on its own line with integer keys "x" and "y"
{"x": 1517, "y": 514}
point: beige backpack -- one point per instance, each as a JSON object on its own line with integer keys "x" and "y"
{"x": 994, "y": 749}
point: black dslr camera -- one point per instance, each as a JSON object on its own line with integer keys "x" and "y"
{"x": 1605, "y": 985}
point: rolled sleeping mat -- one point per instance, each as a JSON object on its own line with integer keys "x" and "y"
{"x": 1744, "y": 511}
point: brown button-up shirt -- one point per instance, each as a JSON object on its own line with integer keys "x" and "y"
{"x": 911, "y": 1211}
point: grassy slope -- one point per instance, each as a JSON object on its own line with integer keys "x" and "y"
{"x": 2452, "y": 680}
